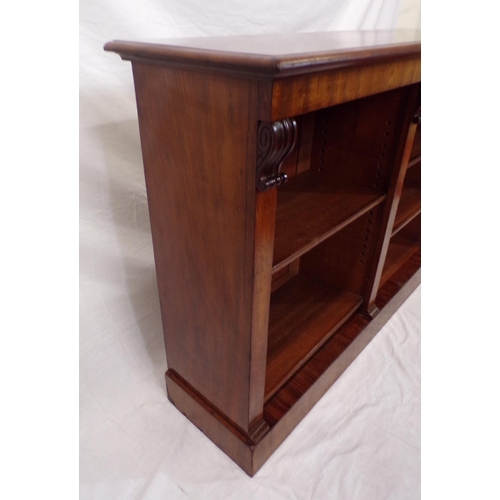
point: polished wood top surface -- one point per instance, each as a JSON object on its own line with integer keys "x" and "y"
{"x": 276, "y": 54}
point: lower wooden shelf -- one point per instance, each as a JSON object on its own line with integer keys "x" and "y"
{"x": 329, "y": 362}
{"x": 304, "y": 313}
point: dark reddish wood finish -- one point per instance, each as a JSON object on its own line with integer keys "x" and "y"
{"x": 336, "y": 351}
{"x": 408, "y": 208}
{"x": 416, "y": 148}
{"x": 311, "y": 208}
{"x": 268, "y": 293}
{"x": 304, "y": 313}
{"x": 344, "y": 259}
{"x": 415, "y": 161}
{"x": 292, "y": 403}
{"x": 280, "y": 55}
{"x": 200, "y": 190}
{"x": 398, "y": 164}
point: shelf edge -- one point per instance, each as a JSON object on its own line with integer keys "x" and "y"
{"x": 331, "y": 232}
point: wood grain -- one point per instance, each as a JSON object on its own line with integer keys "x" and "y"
{"x": 198, "y": 193}
{"x": 344, "y": 259}
{"x": 289, "y": 405}
{"x": 296, "y": 398}
{"x": 260, "y": 290}
{"x": 305, "y": 93}
{"x": 275, "y": 55}
{"x": 397, "y": 167}
{"x": 311, "y": 207}
{"x": 304, "y": 313}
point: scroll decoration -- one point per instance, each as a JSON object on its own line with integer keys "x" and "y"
{"x": 275, "y": 141}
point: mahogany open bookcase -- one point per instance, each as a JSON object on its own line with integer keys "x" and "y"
{"x": 283, "y": 181}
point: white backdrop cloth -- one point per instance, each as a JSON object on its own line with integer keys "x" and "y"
{"x": 361, "y": 441}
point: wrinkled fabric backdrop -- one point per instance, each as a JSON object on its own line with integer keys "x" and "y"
{"x": 361, "y": 441}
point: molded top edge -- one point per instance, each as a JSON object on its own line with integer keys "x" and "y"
{"x": 276, "y": 55}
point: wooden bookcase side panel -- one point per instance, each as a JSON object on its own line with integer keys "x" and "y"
{"x": 198, "y": 136}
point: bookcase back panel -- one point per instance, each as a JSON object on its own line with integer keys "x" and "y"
{"x": 344, "y": 259}
{"x": 354, "y": 142}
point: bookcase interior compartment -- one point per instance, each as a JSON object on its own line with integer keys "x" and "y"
{"x": 327, "y": 220}
{"x": 304, "y": 313}
{"x": 311, "y": 207}
{"x": 339, "y": 171}
{"x": 356, "y": 142}
{"x": 314, "y": 295}
{"x": 344, "y": 260}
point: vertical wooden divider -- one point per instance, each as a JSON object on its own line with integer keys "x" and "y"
{"x": 265, "y": 210}
{"x": 397, "y": 176}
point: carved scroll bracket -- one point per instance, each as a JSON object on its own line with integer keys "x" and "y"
{"x": 275, "y": 141}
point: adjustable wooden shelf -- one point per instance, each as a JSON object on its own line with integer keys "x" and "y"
{"x": 283, "y": 180}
